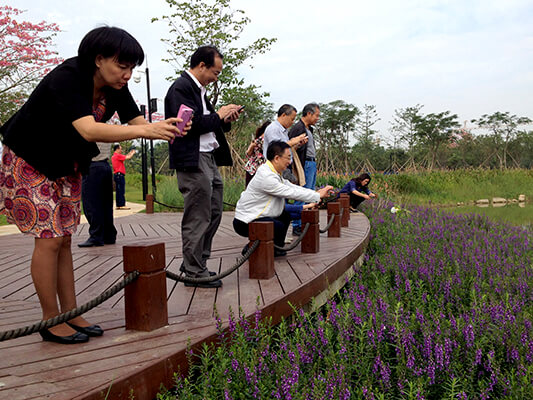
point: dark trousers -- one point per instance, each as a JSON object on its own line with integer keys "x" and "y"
{"x": 97, "y": 199}
{"x": 281, "y": 225}
{"x": 120, "y": 189}
{"x": 202, "y": 192}
{"x": 355, "y": 200}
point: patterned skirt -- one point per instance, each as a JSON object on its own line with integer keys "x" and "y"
{"x": 37, "y": 205}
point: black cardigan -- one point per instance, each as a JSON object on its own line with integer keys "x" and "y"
{"x": 185, "y": 151}
{"x": 41, "y": 132}
{"x": 297, "y": 130}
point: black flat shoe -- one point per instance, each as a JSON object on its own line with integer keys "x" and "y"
{"x": 279, "y": 253}
{"x": 207, "y": 285}
{"x": 72, "y": 339}
{"x": 91, "y": 330}
{"x": 90, "y": 243}
{"x": 211, "y": 273}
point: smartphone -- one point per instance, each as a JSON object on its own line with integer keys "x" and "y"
{"x": 185, "y": 113}
{"x": 241, "y": 108}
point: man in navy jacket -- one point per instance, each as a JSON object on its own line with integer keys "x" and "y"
{"x": 196, "y": 156}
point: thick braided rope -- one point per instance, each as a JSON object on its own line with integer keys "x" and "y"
{"x": 330, "y": 222}
{"x": 59, "y": 319}
{"x": 251, "y": 249}
{"x": 296, "y": 242}
{"x": 168, "y": 205}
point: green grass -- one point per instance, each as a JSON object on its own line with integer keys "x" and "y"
{"x": 445, "y": 187}
{"x": 510, "y": 214}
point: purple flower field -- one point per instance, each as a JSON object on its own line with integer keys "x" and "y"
{"x": 442, "y": 308}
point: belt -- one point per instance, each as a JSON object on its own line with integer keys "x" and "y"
{"x": 119, "y": 173}
{"x": 310, "y": 159}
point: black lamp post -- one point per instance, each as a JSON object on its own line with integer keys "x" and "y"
{"x": 152, "y": 107}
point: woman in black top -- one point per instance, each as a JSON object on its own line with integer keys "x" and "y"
{"x": 49, "y": 143}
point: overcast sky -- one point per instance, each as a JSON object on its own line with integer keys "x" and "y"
{"x": 470, "y": 57}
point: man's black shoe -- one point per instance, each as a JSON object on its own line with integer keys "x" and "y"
{"x": 207, "y": 285}
{"x": 279, "y": 253}
{"x": 296, "y": 231}
{"x": 211, "y": 273}
{"x": 90, "y": 243}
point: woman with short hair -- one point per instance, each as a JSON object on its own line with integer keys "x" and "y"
{"x": 49, "y": 143}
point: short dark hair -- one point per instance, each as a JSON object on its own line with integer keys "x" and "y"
{"x": 205, "y": 54}
{"x": 109, "y": 41}
{"x": 115, "y": 147}
{"x": 310, "y": 109}
{"x": 276, "y": 148}
{"x": 286, "y": 109}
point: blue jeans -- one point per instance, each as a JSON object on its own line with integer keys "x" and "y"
{"x": 310, "y": 183}
{"x": 120, "y": 189}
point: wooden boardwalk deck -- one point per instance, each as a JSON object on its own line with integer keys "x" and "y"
{"x": 122, "y": 360}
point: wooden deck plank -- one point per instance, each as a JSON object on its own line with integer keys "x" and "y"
{"x": 204, "y": 299}
{"x": 181, "y": 296}
{"x": 128, "y": 231}
{"x": 270, "y": 288}
{"x": 286, "y": 276}
{"x": 112, "y": 273}
{"x": 228, "y": 294}
{"x": 249, "y": 291}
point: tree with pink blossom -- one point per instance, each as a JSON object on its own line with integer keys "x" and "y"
{"x": 25, "y": 57}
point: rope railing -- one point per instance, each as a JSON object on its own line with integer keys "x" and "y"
{"x": 59, "y": 319}
{"x": 181, "y": 207}
{"x": 168, "y": 205}
{"x": 246, "y": 256}
{"x": 330, "y": 222}
{"x": 296, "y": 242}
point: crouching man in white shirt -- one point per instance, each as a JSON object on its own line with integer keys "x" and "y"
{"x": 264, "y": 197}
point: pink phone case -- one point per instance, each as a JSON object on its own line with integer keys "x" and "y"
{"x": 185, "y": 113}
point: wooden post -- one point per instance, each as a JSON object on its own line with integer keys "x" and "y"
{"x": 344, "y": 199}
{"x": 311, "y": 240}
{"x": 262, "y": 259}
{"x": 335, "y": 229}
{"x": 149, "y": 204}
{"x": 145, "y": 299}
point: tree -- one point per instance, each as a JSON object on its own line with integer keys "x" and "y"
{"x": 434, "y": 130}
{"x": 197, "y": 23}
{"x": 25, "y": 57}
{"x": 504, "y": 128}
{"x": 363, "y": 131}
{"x": 404, "y": 127}
{"x": 336, "y": 124}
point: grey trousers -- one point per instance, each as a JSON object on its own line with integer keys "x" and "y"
{"x": 203, "y": 194}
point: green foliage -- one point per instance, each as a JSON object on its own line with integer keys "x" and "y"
{"x": 435, "y": 130}
{"x": 198, "y": 23}
{"x": 504, "y": 128}
{"x": 332, "y": 134}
